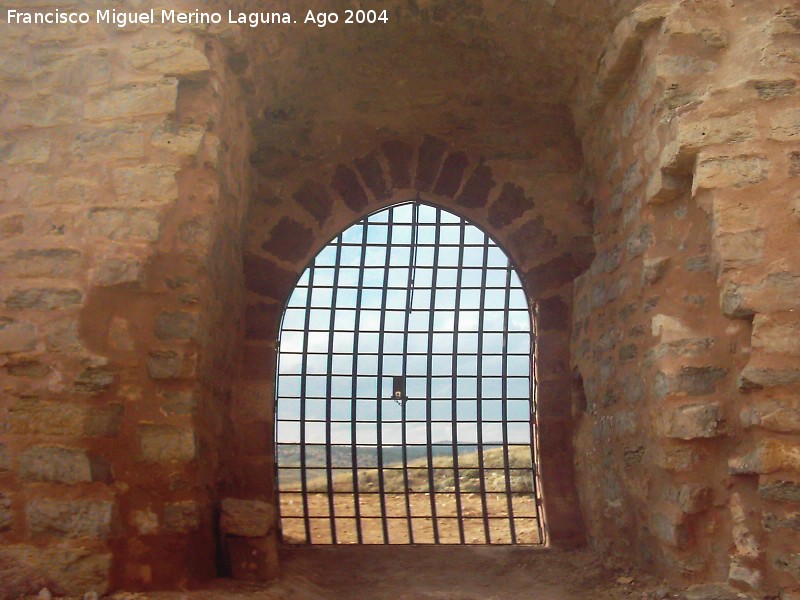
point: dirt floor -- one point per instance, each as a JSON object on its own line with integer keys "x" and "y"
{"x": 526, "y": 526}
{"x": 432, "y": 573}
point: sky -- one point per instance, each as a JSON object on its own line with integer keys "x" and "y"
{"x": 429, "y": 310}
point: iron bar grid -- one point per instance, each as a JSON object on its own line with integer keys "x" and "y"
{"x": 414, "y": 292}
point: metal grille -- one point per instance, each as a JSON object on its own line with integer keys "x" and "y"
{"x": 404, "y": 406}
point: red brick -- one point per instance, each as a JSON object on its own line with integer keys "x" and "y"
{"x": 314, "y": 197}
{"x": 372, "y": 173}
{"x": 476, "y": 190}
{"x": 345, "y": 182}
{"x": 399, "y": 154}
{"x": 451, "y": 175}
{"x": 431, "y": 153}
{"x": 289, "y": 240}
{"x": 511, "y": 204}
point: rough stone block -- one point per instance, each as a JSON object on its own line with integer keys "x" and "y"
{"x": 713, "y": 171}
{"x": 25, "y": 152}
{"x": 178, "y": 402}
{"x": 125, "y": 224}
{"x": 64, "y": 569}
{"x": 711, "y": 591}
{"x": 691, "y": 421}
{"x": 44, "y": 298}
{"x": 678, "y": 458}
{"x": 671, "y": 329}
{"x": 166, "y": 444}
{"x": 54, "y": 263}
{"x": 757, "y": 376}
{"x": 741, "y": 573}
{"x": 178, "y": 325}
{"x": 33, "y": 416}
{"x": 70, "y": 518}
{"x": 93, "y": 380}
{"x": 55, "y": 464}
{"x": 740, "y": 250}
{"x": 247, "y": 518}
{"x": 772, "y": 415}
{"x": 687, "y": 30}
{"x": 732, "y": 302}
{"x": 780, "y": 491}
{"x": 42, "y": 110}
{"x": 174, "y": 56}
{"x": 185, "y": 140}
{"x": 733, "y": 216}
{"x": 773, "y": 334}
{"x": 170, "y": 364}
{"x": 769, "y": 456}
{"x": 120, "y": 141}
{"x": 691, "y": 381}
{"x": 768, "y": 89}
{"x": 135, "y": 99}
{"x": 117, "y": 271}
{"x": 785, "y": 125}
{"x": 696, "y": 130}
{"x": 48, "y": 190}
{"x": 772, "y": 521}
{"x": 181, "y": 517}
{"x": 146, "y": 184}
{"x": 16, "y": 336}
{"x": 776, "y": 292}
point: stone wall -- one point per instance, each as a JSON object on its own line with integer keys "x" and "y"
{"x": 123, "y": 178}
{"x": 685, "y": 372}
{"x": 162, "y": 188}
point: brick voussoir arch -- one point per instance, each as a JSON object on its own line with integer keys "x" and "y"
{"x": 449, "y": 178}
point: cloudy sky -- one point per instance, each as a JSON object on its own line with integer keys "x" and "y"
{"x": 427, "y": 310}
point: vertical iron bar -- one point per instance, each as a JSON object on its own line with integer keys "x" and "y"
{"x": 504, "y": 408}
{"x": 354, "y": 388}
{"x": 454, "y": 387}
{"x": 303, "y": 388}
{"x": 429, "y": 382}
{"x": 481, "y": 466}
{"x": 404, "y": 370}
{"x": 328, "y": 393}
{"x": 379, "y": 395}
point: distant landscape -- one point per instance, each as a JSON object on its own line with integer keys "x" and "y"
{"x": 508, "y": 498}
{"x": 367, "y": 457}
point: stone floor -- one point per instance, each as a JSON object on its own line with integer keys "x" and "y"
{"x": 435, "y": 573}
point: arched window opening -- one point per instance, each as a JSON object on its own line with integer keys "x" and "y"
{"x": 404, "y": 407}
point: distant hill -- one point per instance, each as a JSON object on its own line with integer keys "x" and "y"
{"x": 417, "y": 471}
